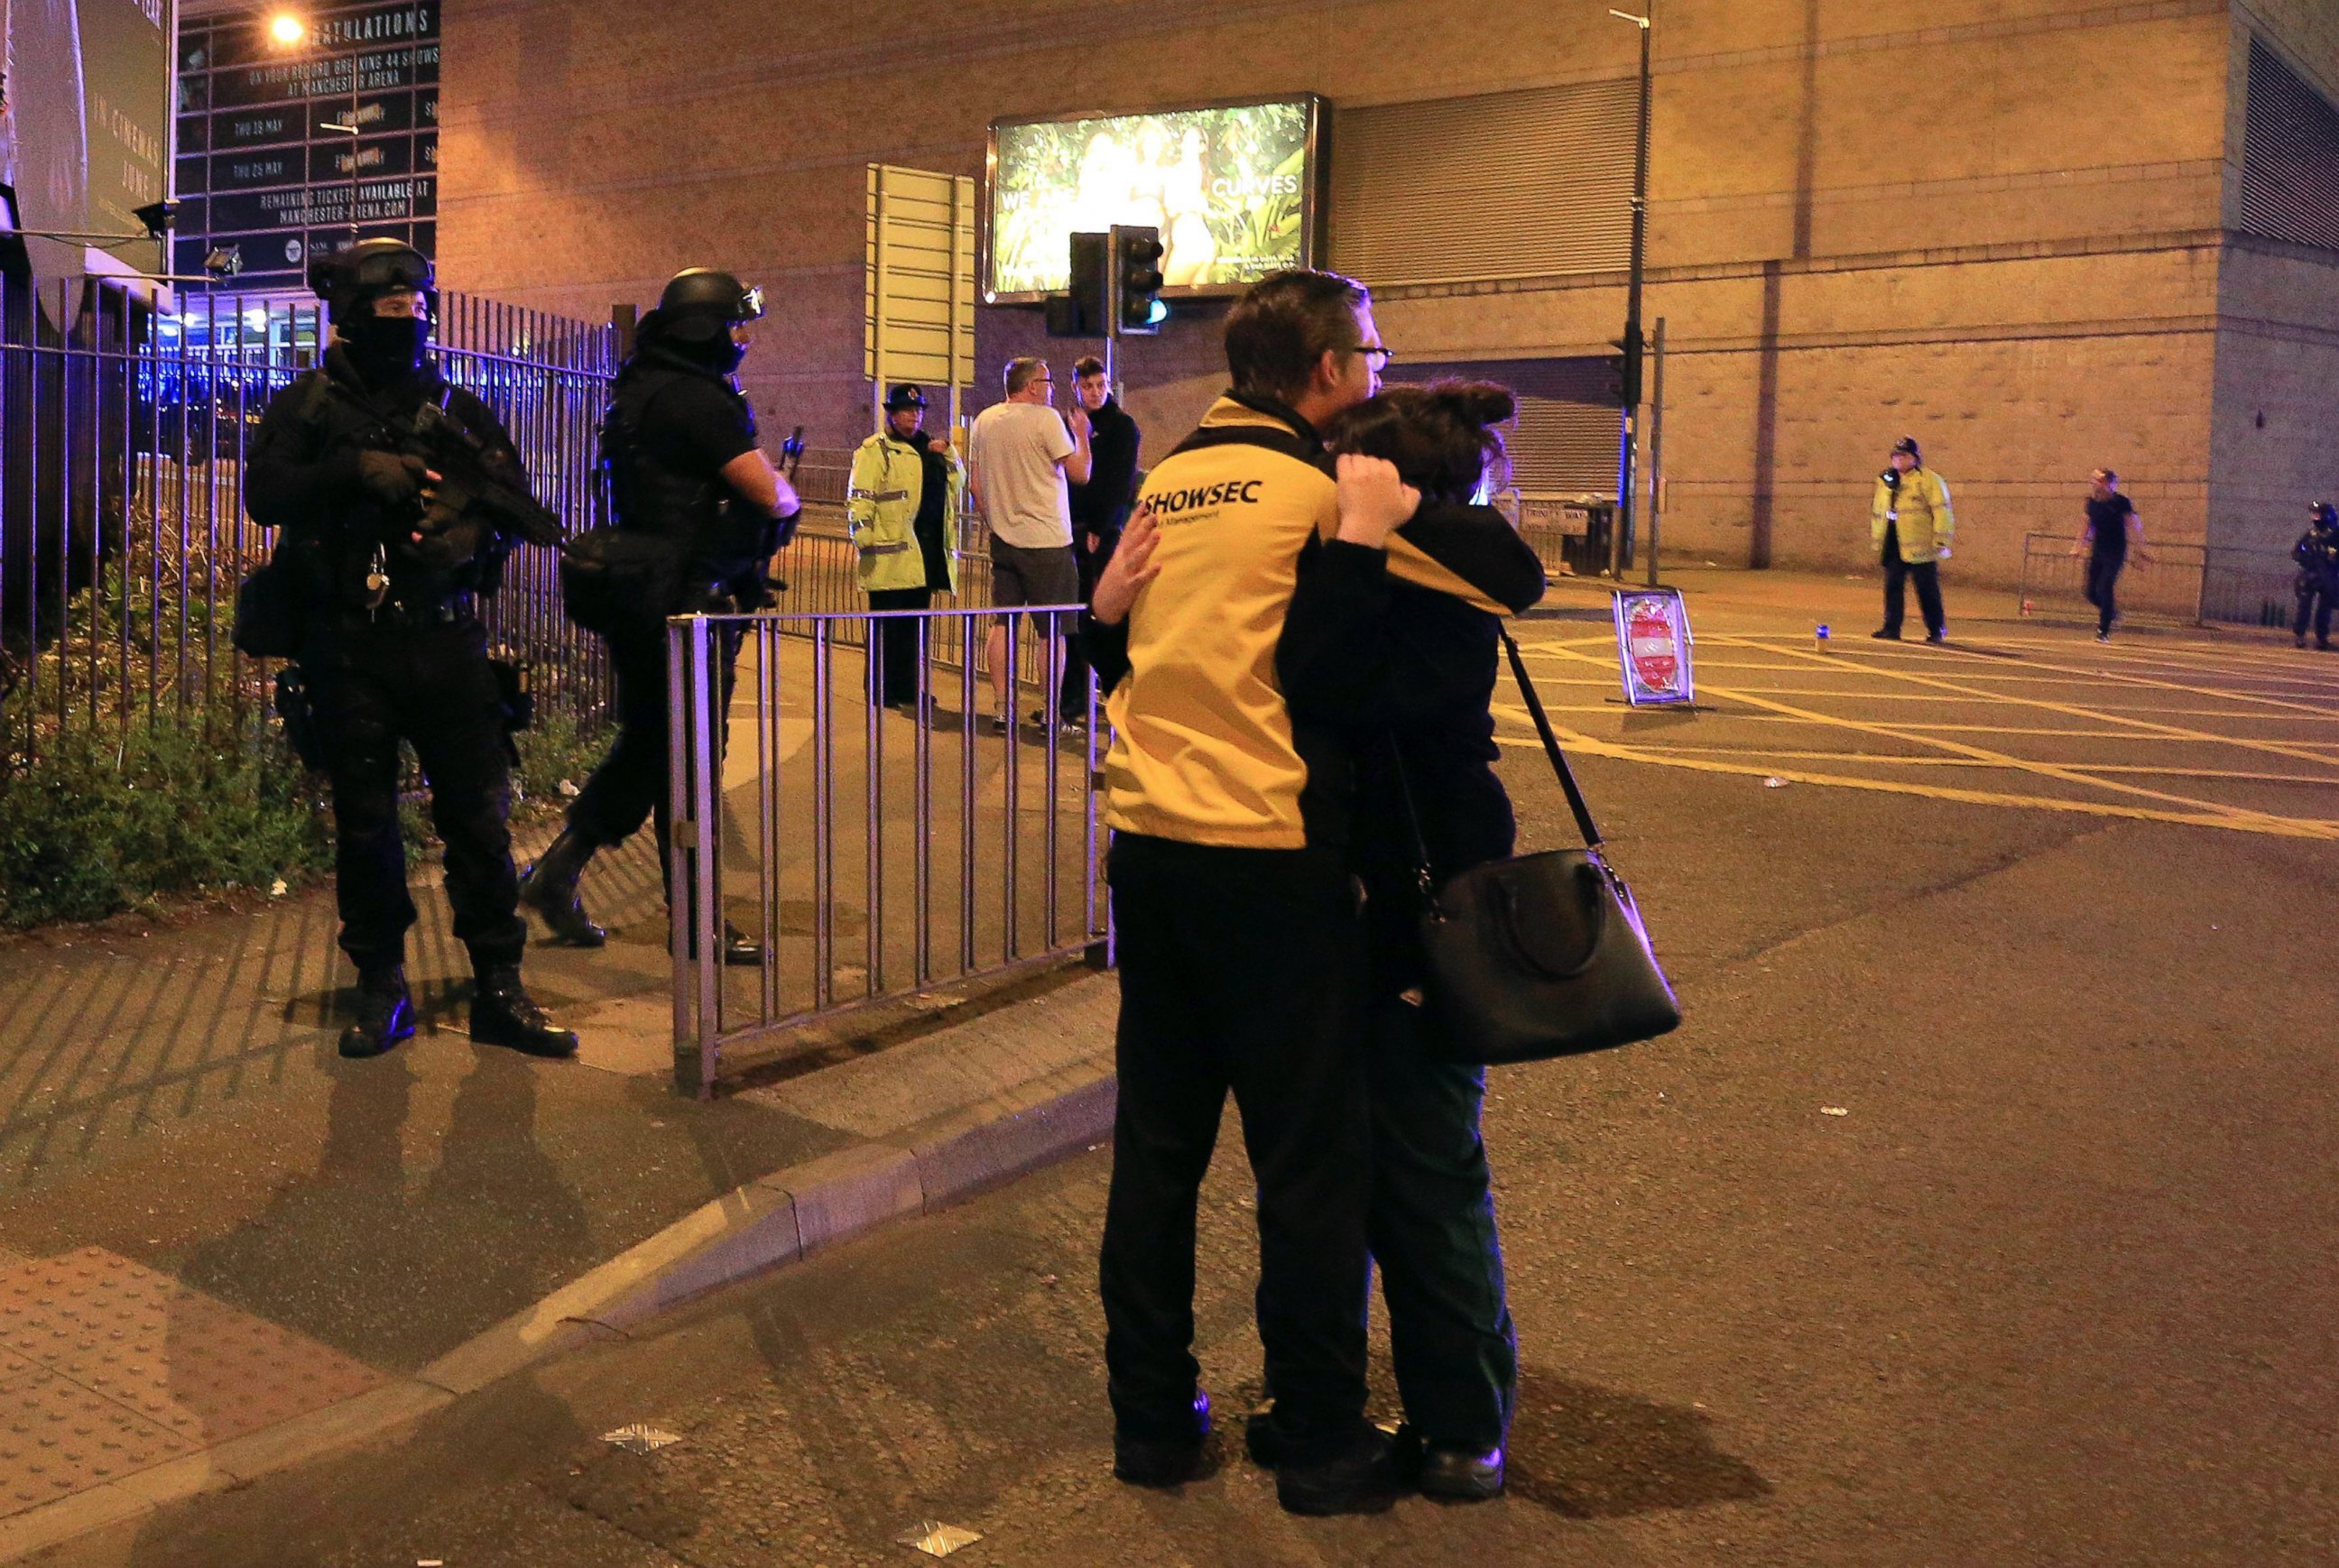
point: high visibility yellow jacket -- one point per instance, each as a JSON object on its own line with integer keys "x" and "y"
{"x": 880, "y": 511}
{"x": 1920, "y": 509}
{"x": 1204, "y": 750}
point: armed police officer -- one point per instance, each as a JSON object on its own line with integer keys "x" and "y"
{"x": 385, "y": 560}
{"x": 703, "y": 511}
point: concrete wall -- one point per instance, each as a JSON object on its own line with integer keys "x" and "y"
{"x": 1991, "y": 223}
{"x": 2277, "y": 368}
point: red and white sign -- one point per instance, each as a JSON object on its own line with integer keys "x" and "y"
{"x": 1652, "y": 646}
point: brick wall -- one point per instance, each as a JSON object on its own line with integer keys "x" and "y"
{"x": 1991, "y": 223}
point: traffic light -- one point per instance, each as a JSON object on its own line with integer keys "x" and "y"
{"x": 1137, "y": 306}
{"x": 1624, "y": 367}
{"x": 1086, "y": 311}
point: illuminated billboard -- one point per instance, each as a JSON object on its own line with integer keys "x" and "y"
{"x": 1232, "y": 188}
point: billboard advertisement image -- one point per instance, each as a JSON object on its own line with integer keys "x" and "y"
{"x": 1231, "y": 188}
{"x": 86, "y": 115}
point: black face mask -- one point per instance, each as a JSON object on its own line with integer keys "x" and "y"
{"x": 384, "y": 348}
{"x": 719, "y": 354}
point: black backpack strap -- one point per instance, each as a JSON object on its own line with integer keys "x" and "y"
{"x": 1584, "y": 822}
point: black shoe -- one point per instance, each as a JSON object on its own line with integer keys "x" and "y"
{"x": 1886, "y": 633}
{"x": 550, "y": 888}
{"x": 741, "y": 950}
{"x": 1449, "y": 1474}
{"x": 1164, "y": 1460}
{"x": 1152, "y": 1461}
{"x": 1358, "y": 1479}
{"x": 385, "y": 1014}
{"x": 503, "y": 1013}
{"x": 1937, "y": 639}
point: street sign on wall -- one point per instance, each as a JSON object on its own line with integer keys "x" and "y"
{"x": 1652, "y": 646}
{"x": 918, "y": 292}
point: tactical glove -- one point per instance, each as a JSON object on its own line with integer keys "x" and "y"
{"x": 391, "y": 475}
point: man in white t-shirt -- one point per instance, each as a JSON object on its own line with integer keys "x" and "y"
{"x": 1022, "y": 455}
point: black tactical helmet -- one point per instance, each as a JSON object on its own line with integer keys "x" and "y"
{"x": 701, "y": 302}
{"x": 365, "y": 271}
{"x": 2326, "y": 516}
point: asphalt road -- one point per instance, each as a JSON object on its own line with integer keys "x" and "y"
{"x": 1980, "y": 1212}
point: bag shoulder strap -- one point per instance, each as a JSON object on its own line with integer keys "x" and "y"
{"x": 1575, "y": 803}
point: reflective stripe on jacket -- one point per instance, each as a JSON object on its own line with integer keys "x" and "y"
{"x": 1925, "y": 520}
{"x": 881, "y": 513}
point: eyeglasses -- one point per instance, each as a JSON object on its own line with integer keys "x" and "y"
{"x": 1381, "y": 358}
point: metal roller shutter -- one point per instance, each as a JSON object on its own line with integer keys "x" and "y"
{"x": 1498, "y": 185}
{"x": 2290, "y": 156}
{"x": 1564, "y": 441}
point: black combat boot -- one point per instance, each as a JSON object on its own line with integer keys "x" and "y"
{"x": 741, "y": 950}
{"x": 385, "y": 1014}
{"x": 502, "y": 1013}
{"x": 550, "y": 888}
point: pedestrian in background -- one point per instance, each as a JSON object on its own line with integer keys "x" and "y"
{"x": 1022, "y": 458}
{"x": 2317, "y": 555}
{"x": 899, "y": 509}
{"x": 1099, "y": 507}
{"x": 2113, "y": 533}
{"x": 1910, "y": 524}
{"x": 1410, "y": 673}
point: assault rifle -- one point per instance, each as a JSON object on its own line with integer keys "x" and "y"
{"x": 468, "y": 488}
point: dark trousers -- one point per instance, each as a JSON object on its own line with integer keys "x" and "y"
{"x": 630, "y": 785}
{"x": 1432, "y": 1225}
{"x": 893, "y": 644}
{"x": 2103, "y": 584}
{"x": 1926, "y": 575}
{"x": 374, "y": 682}
{"x": 1073, "y": 700}
{"x": 1239, "y": 973}
{"x": 2314, "y": 604}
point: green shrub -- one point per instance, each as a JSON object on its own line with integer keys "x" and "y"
{"x": 99, "y": 825}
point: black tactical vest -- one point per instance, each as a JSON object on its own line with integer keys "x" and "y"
{"x": 334, "y": 557}
{"x": 653, "y": 497}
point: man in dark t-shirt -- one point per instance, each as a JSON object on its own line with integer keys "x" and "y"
{"x": 1099, "y": 506}
{"x": 2112, "y": 525}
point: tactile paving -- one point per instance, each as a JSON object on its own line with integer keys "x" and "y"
{"x": 57, "y": 1438}
{"x": 163, "y": 1358}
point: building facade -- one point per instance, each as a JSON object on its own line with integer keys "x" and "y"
{"x": 2039, "y": 235}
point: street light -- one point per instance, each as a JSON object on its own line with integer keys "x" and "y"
{"x": 287, "y": 30}
{"x": 1632, "y": 342}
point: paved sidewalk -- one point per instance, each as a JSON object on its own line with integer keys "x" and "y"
{"x": 222, "y": 1247}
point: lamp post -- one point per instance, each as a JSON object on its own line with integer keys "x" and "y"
{"x": 1627, "y": 453}
{"x": 289, "y": 30}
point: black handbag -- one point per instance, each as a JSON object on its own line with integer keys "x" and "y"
{"x": 1540, "y": 955}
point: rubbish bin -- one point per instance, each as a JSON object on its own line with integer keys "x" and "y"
{"x": 1586, "y": 551}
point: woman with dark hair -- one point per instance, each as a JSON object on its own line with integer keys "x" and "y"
{"x": 1414, "y": 695}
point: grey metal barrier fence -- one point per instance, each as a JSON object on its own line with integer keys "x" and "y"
{"x": 2195, "y": 584}
{"x": 871, "y": 853}
{"x": 125, "y": 417}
